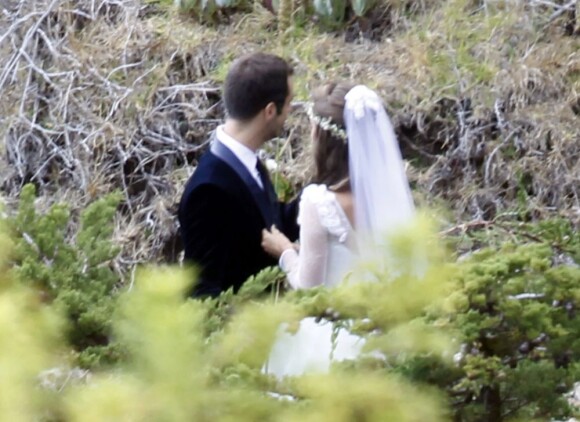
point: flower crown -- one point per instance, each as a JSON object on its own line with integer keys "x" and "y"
{"x": 325, "y": 123}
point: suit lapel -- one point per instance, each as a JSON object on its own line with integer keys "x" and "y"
{"x": 260, "y": 196}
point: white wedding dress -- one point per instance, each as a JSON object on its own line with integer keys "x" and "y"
{"x": 328, "y": 248}
{"x": 327, "y": 255}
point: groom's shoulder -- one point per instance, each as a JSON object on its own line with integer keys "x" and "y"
{"x": 210, "y": 171}
{"x": 207, "y": 164}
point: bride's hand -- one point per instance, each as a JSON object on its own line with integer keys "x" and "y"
{"x": 275, "y": 242}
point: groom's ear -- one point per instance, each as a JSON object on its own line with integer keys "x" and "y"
{"x": 270, "y": 111}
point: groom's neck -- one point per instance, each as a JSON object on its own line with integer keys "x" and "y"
{"x": 245, "y": 133}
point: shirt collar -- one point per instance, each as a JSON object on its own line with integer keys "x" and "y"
{"x": 242, "y": 152}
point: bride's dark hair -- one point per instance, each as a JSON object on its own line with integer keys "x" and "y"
{"x": 331, "y": 151}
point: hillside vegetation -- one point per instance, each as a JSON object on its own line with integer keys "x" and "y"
{"x": 106, "y": 95}
{"x": 106, "y": 106}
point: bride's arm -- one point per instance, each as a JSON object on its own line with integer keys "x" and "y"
{"x": 307, "y": 268}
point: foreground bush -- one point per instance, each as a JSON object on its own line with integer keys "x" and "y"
{"x": 173, "y": 373}
{"x": 69, "y": 262}
{"x": 496, "y": 334}
{"x": 510, "y": 313}
{"x": 513, "y": 313}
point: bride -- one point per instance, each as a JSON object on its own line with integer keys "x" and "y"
{"x": 361, "y": 194}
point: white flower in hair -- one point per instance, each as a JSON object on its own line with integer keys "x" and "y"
{"x": 325, "y": 123}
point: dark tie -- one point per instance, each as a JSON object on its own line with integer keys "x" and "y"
{"x": 269, "y": 190}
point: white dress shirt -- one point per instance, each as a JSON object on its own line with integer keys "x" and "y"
{"x": 242, "y": 152}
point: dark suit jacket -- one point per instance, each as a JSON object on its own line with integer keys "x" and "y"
{"x": 222, "y": 214}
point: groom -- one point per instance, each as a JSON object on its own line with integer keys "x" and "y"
{"x": 230, "y": 198}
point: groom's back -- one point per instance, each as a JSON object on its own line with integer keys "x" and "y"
{"x": 221, "y": 228}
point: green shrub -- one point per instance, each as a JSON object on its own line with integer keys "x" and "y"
{"x": 495, "y": 333}
{"x": 513, "y": 315}
{"x": 70, "y": 263}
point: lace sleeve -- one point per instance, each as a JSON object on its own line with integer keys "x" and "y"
{"x": 307, "y": 268}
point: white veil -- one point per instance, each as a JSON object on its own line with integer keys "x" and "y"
{"x": 382, "y": 197}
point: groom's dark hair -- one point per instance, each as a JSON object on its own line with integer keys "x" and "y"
{"x": 253, "y": 82}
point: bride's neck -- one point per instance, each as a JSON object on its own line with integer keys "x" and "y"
{"x": 341, "y": 187}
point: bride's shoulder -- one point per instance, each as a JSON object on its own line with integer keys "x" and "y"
{"x": 321, "y": 201}
{"x": 316, "y": 193}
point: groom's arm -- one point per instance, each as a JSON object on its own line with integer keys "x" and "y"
{"x": 204, "y": 221}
